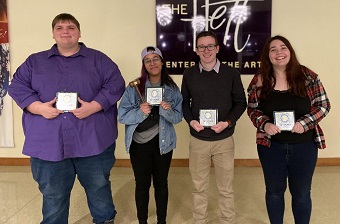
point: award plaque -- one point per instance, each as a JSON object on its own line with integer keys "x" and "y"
{"x": 67, "y": 101}
{"x": 154, "y": 95}
{"x": 208, "y": 118}
{"x": 284, "y": 120}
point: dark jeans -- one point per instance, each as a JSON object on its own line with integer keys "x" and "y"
{"x": 56, "y": 180}
{"x": 297, "y": 163}
{"x": 147, "y": 164}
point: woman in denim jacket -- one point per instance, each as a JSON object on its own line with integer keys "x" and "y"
{"x": 149, "y": 132}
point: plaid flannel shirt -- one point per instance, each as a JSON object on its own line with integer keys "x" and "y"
{"x": 319, "y": 102}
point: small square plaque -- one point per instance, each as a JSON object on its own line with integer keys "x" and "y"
{"x": 208, "y": 118}
{"x": 284, "y": 120}
{"x": 67, "y": 101}
{"x": 154, "y": 95}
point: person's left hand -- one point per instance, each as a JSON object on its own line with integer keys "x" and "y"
{"x": 220, "y": 126}
{"x": 298, "y": 128}
{"x": 86, "y": 109}
{"x": 165, "y": 105}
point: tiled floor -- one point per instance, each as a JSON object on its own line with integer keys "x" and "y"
{"x": 20, "y": 199}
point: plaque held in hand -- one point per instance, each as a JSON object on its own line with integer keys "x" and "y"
{"x": 284, "y": 120}
{"x": 67, "y": 101}
{"x": 208, "y": 118}
{"x": 154, "y": 95}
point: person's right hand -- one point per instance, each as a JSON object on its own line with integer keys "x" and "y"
{"x": 145, "y": 107}
{"x": 196, "y": 125}
{"x": 44, "y": 109}
{"x": 271, "y": 129}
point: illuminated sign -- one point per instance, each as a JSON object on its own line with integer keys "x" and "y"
{"x": 242, "y": 28}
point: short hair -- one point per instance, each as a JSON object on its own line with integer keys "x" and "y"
{"x": 207, "y": 34}
{"x": 65, "y": 17}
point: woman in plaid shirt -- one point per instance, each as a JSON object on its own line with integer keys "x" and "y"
{"x": 286, "y": 102}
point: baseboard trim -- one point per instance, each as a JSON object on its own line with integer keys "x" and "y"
{"x": 174, "y": 162}
{"x": 14, "y": 161}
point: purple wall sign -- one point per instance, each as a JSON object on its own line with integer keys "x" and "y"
{"x": 242, "y": 27}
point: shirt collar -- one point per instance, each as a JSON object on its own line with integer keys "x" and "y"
{"x": 54, "y": 50}
{"x": 216, "y": 67}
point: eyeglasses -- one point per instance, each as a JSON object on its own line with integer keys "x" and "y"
{"x": 155, "y": 60}
{"x": 210, "y": 47}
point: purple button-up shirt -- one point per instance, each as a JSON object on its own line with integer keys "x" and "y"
{"x": 90, "y": 73}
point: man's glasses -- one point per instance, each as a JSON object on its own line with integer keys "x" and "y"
{"x": 155, "y": 60}
{"x": 210, "y": 47}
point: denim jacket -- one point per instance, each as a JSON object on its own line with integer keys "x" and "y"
{"x": 130, "y": 114}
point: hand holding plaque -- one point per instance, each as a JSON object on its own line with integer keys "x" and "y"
{"x": 67, "y": 101}
{"x": 284, "y": 120}
{"x": 208, "y": 118}
{"x": 154, "y": 95}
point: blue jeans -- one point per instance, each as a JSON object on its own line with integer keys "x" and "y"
{"x": 297, "y": 163}
{"x": 56, "y": 180}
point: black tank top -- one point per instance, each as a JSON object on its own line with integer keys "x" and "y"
{"x": 283, "y": 100}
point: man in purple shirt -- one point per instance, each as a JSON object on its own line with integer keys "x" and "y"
{"x": 73, "y": 134}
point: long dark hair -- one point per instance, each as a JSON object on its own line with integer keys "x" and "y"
{"x": 165, "y": 77}
{"x": 3, "y": 10}
{"x": 295, "y": 76}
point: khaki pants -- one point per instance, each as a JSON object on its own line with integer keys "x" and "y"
{"x": 222, "y": 154}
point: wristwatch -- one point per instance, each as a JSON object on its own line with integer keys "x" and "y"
{"x": 229, "y": 123}
{"x": 262, "y": 126}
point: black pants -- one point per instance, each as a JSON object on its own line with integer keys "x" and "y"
{"x": 147, "y": 163}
